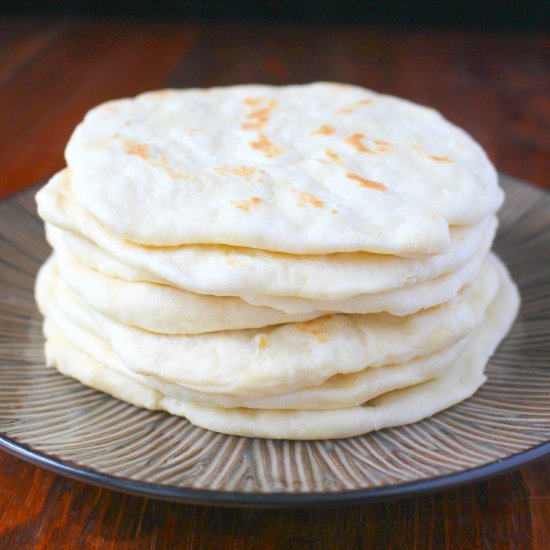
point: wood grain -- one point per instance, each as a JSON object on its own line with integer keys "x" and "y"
{"x": 39, "y": 509}
{"x": 494, "y": 84}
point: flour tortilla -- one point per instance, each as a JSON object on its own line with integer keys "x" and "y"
{"x": 228, "y": 271}
{"x": 287, "y": 357}
{"x": 401, "y": 301}
{"x": 312, "y": 169}
{"x": 392, "y": 409}
{"x": 76, "y": 363}
{"x": 340, "y": 391}
{"x": 94, "y": 257}
{"x": 164, "y": 309}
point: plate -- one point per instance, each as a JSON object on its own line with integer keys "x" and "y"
{"x": 61, "y": 425}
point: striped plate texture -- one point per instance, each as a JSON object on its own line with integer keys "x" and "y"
{"x": 58, "y": 423}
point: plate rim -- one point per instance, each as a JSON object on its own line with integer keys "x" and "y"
{"x": 209, "y": 497}
{"x": 187, "y": 495}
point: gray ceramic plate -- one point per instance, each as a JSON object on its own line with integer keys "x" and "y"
{"x": 59, "y": 424}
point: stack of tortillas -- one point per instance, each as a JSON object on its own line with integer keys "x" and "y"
{"x": 300, "y": 262}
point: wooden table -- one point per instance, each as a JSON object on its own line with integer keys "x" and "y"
{"x": 494, "y": 84}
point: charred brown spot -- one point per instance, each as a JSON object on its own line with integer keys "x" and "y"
{"x": 260, "y": 114}
{"x": 268, "y": 148}
{"x": 262, "y": 341}
{"x": 364, "y": 182}
{"x": 382, "y": 146}
{"x": 315, "y": 327}
{"x": 143, "y": 151}
{"x": 437, "y": 158}
{"x": 356, "y": 141}
{"x": 353, "y": 106}
{"x": 311, "y": 199}
{"x": 163, "y": 93}
{"x": 246, "y": 172}
{"x": 324, "y": 130}
{"x": 332, "y": 155}
{"x": 245, "y": 206}
{"x": 138, "y": 149}
{"x": 440, "y": 158}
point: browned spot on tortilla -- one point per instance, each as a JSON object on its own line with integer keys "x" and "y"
{"x": 363, "y": 182}
{"x": 174, "y": 174}
{"x": 315, "y": 327}
{"x": 437, "y": 158}
{"x": 162, "y": 162}
{"x": 268, "y": 148}
{"x": 247, "y": 205}
{"x": 350, "y": 108}
{"x": 334, "y": 211}
{"x": 246, "y": 172}
{"x": 440, "y": 158}
{"x": 163, "y": 93}
{"x": 311, "y": 199}
{"x": 140, "y": 150}
{"x": 261, "y": 111}
{"x": 332, "y": 155}
{"x": 254, "y": 101}
{"x": 382, "y": 146}
{"x": 234, "y": 263}
{"x": 324, "y": 130}
{"x": 262, "y": 341}
{"x": 143, "y": 151}
{"x": 356, "y": 141}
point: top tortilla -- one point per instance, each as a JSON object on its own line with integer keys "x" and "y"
{"x": 310, "y": 169}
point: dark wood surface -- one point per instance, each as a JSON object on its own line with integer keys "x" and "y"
{"x": 494, "y": 84}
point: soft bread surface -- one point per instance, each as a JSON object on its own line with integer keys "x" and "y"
{"x": 229, "y": 271}
{"x": 398, "y": 407}
{"x": 311, "y": 169}
{"x": 302, "y": 262}
{"x": 166, "y": 309}
{"x": 286, "y": 357}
